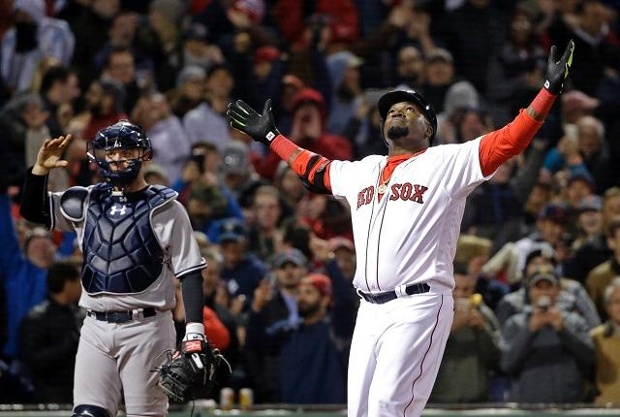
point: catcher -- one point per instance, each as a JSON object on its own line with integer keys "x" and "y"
{"x": 135, "y": 238}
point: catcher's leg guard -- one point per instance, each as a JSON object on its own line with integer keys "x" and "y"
{"x": 87, "y": 410}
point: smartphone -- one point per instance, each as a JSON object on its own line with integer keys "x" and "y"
{"x": 199, "y": 159}
{"x": 544, "y": 302}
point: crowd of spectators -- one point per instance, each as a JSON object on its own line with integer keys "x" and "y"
{"x": 537, "y": 268}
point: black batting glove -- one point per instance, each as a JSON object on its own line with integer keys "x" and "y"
{"x": 245, "y": 119}
{"x": 557, "y": 70}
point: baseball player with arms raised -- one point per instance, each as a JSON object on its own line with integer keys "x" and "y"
{"x": 136, "y": 239}
{"x": 406, "y": 212}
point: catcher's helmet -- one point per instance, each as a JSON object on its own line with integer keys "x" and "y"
{"x": 398, "y": 96}
{"x": 122, "y": 135}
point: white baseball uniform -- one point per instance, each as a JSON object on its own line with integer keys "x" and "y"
{"x": 408, "y": 236}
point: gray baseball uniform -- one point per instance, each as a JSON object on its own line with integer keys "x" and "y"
{"x": 135, "y": 239}
{"x": 134, "y": 246}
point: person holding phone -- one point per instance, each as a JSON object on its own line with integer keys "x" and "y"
{"x": 546, "y": 351}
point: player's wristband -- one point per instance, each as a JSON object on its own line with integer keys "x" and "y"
{"x": 194, "y": 331}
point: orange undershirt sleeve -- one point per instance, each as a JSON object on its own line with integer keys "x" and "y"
{"x": 311, "y": 167}
{"x": 499, "y": 146}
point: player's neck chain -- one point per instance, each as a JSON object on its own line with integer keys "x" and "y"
{"x": 385, "y": 179}
{"x": 382, "y": 188}
{"x": 388, "y": 170}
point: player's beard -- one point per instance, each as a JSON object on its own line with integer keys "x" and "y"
{"x": 308, "y": 310}
{"x": 97, "y": 110}
{"x": 396, "y": 132}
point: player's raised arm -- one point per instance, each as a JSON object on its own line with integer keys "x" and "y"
{"x": 313, "y": 169}
{"x": 35, "y": 201}
{"x": 499, "y": 146}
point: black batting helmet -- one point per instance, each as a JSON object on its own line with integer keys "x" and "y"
{"x": 398, "y": 96}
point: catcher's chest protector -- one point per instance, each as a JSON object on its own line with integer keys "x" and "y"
{"x": 122, "y": 254}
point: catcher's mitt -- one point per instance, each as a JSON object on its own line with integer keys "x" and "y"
{"x": 192, "y": 366}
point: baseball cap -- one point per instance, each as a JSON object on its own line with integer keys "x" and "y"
{"x": 236, "y": 158}
{"x": 290, "y": 255}
{"x": 254, "y": 9}
{"x": 555, "y": 212}
{"x": 191, "y": 73}
{"x": 308, "y": 95}
{"x": 321, "y": 282}
{"x": 581, "y": 176}
{"x": 266, "y": 53}
{"x": 115, "y": 89}
{"x": 461, "y": 95}
{"x": 439, "y": 54}
{"x": 590, "y": 203}
{"x": 197, "y": 31}
{"x": 544, "y": 274}
{"x": 543, "y": 250}
{"x": 232, "y": 230}
{"x": 294, "y": 81}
